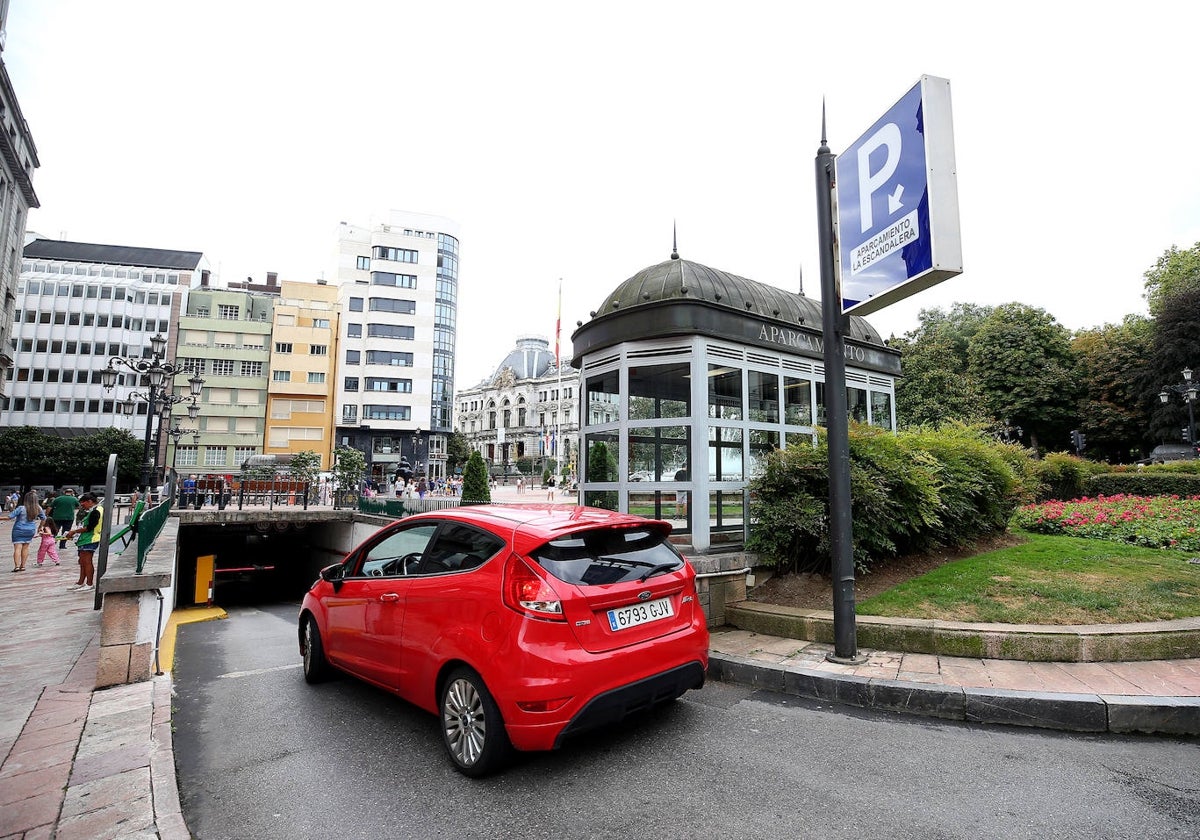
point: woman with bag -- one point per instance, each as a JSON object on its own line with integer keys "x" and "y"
{"x": 28, "y": 517}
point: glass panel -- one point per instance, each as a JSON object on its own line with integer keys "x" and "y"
{"x": 797, "y": 396}
{"x": 821, "y": 406}
{"x": 856, "y": 404}
{"x": 762, "y": 444}
{"x": 667, "y": 505}
{"x": 658, "y": 454}
{"x": 606, "y": 499}
{"x": 603, "y": 399}
{"x": 725, "y": 511}
{"x": 881, "y": 410}
{"x": 724, "y": 392}
{"x": 764, "y": 396}
{"x": 601, "y": 457}
{"x": 659, "y": 391}
{"x": 724, "y": 454}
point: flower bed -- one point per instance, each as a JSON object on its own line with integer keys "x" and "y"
{"x": 1152, "y": 521}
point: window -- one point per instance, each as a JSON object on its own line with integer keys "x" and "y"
{"x": 187, "y": 456}
{"x": 226, "y": 313}
{"x": 321, "y": 323}
{"x": 881, "y": 409}
{"x": 404, "y": 307}
{"x": 352, "y": 357}
{"x": 724, "y": 392}
{"x": 283, "y": 347}
{"x": 281, "y": 376}
{"x": 387, "y": 412}
{"x": 363, "y": 263}
{"x": 316, "y": 377}
{"x": 241, "y": 454}
{"x": 318, "y": 349}
{"x": 222, "y": 367}
{"x": 655, "y": 391}
{"x": 391, "y": 331}
{"x": 404, "y": 255}
{"x": 351, "y": 383}
{"x": 350, "y": 413}
{"x": 764, "y": 396}
{"x": 356, "y": 304}
{"x": 215, "y": 456}
{"x": 353, "y": 330}
{"x": 386, "y": 357}
{"x": 797, "y": 401}
{"x": 400, "y": 281}
{"x": 395, "y": 386}
{"x": 252, "y": 369}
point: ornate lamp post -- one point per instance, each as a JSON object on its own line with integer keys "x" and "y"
{"x": 1188, "y": 389}
{"x": 416, "y": 448}
{"x": 159, "y": 374}
{"x": 176, "y": 433}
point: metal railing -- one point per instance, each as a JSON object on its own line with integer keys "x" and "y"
{"x": 406, "y": 507}
{"x": 147, "y": 528}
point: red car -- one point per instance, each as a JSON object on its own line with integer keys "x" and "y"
{"x": 519, "y": 626}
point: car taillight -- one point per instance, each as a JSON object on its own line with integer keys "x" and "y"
{"x": 526, "y": 592}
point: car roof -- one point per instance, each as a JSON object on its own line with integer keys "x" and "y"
{"x": 532, "y": 525}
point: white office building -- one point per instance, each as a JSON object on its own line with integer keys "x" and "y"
{"x": 398, "y": 295}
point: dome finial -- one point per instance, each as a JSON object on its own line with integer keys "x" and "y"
{"x": 674, "y": 241}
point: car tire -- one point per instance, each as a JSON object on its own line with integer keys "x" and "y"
{"x": 316, "y": 666}
{"x": 472, "y": 728}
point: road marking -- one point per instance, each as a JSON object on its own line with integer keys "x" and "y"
{"x": 258, "y": 671}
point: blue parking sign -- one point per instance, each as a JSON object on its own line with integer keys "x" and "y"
{"x": 897, "y": 200}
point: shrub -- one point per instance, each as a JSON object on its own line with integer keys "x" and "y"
{"x": 909, "y": 491}
{"x": 475, "y": 489}
{"x": 1063, "y": 476}
{"x": 1145, "y": 483}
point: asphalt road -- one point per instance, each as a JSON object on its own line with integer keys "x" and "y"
{"x": 260, "y": 754}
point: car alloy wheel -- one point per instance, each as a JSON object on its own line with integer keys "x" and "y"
{"x": 472, "y": 728}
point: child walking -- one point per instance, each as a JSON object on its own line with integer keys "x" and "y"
{"x": 49, "y": 545}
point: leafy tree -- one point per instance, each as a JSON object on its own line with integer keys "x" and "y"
{"x": 458, "y": 452}
{"x": 1175, "y": 272}
{"x": 602, "y": 466}
{"x": 1021, "y": 359}
{"x": 348, "y": 467}
{"x": 29, "y": 456}
{"x": 935, "y": 387}
{"x": 1113, "y": 369}
{"x": 305, "y": 466}
{"x": 1176, "y": 346}
{"x": 475, "y": 489}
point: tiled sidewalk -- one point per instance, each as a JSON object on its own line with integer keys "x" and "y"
{"x": 1159, "y": 678}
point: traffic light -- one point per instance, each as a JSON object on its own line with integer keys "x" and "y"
{"x": 1078, "y": 440}
{"x": 1187, "y": 436}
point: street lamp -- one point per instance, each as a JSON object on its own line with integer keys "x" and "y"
{"x": 159, "y": 375}
{"x": 1188, "y": 389}
{"x": 176, "y": 433}
{"x": 416, "y": 446}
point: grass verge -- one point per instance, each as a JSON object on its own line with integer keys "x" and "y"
{"x": 1051, "y": 580}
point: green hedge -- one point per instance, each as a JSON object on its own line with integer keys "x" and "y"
{"x": 910, "y": 491}
{"x": 1145, "y": 483}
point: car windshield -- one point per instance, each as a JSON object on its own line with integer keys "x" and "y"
{"x": 608, "y": 555}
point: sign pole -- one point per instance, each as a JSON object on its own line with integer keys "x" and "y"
{"x": 833, "y": 324}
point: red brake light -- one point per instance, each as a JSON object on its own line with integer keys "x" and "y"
{"x": 526, "y": 592}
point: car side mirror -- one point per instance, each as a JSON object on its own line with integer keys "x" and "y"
{"x": 334, "y": 574}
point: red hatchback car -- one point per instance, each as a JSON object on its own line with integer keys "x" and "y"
{"x": 519, "y": 626}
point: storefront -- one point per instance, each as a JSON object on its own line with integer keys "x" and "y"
{"x": 690, "y": 376}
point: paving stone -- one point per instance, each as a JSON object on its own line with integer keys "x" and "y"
{"x": 106, "y": 792}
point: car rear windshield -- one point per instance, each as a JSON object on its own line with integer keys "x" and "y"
{"x": 608, "y": 555}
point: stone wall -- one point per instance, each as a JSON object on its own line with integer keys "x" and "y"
{"x": 720, "y": 580}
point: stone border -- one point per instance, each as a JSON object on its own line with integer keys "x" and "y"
{"x": 1039, "y": 709}
{"x": 1179, "y": 639}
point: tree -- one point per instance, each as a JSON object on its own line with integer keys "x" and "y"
{"x": 1113, "y": 370}
{"x": 1021, "y": 359}
{"x": 475, "y": 490}
{"x": 305, "y": 466}
{"x": 1176, "y": 346}
{"x": 602, "y": 466}
{"x": 935, "y": 387}
{"x": 348, "y": 467}
{"x": 1175, "y": 272}
{"x": 458, "y": 452}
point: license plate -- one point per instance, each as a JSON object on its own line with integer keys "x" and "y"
{"x": 632, "y": 616}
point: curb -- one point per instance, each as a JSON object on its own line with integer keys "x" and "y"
{"x": 1122, "y": 714}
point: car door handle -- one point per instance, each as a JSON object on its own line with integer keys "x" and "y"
{"x": 389, "y": 596}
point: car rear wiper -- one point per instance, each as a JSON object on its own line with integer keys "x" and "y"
{"x": 661, "y": 567}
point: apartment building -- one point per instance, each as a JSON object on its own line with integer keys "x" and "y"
{"x": 300, "y": 394}
{"x": 224, "y": 335}
{"x": 398, "y": 294}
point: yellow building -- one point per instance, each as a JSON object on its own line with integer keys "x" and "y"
{"x": 300, "y": 390}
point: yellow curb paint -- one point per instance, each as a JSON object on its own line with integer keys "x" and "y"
{"x": 166, "y": 645}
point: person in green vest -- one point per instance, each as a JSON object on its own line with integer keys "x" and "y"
{"x": 89, "y": 540}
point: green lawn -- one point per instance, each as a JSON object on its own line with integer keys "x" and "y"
{"x": 1051, "y": 580}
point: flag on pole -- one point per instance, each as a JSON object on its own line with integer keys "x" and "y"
{"x": 558, "y": 325}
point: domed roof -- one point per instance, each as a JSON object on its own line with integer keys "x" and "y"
{"x": 530, "y": 359}
{"x": 678, "y": 280}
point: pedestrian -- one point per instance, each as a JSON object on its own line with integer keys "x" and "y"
{"x": 89, "y": 540}
{"x": 28, "y": 517}
{"x": 188, "y": 492}
{"x": 62, "y": 511}
{"x": 48, "y": 535}
{"x": 550, "y": 489}
{"x": 422, "y": 488}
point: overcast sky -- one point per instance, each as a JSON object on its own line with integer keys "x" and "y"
{"x": 567, "y": 138}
